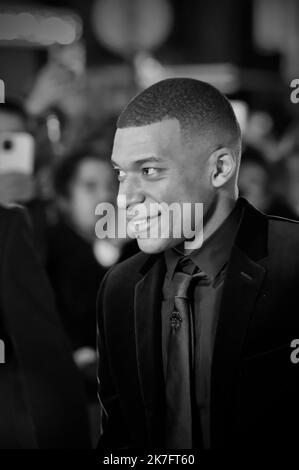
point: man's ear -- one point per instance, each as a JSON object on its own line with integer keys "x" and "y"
{"x": 223, "y": 167}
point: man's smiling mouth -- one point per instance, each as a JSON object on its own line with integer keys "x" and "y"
{"x": 137, "y": 226}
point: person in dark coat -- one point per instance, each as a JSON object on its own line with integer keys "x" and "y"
{"x": 42, "y": 401}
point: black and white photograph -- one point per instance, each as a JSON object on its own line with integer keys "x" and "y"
{"x": 149, "y": 229}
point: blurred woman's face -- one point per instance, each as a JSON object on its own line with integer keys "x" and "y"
{"x": 94, "y": 182}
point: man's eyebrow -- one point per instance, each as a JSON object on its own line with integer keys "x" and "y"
{"x": 141, "y": 161}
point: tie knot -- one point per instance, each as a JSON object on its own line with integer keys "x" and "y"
{"x": 187, "y": 266}
{"x": 186, "y": 269}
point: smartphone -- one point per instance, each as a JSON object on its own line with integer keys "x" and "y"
{"x": 16, "y": 153}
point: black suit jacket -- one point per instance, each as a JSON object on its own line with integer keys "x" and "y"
{"x": 254, "y": 385}
{"x": 42, "y": 403}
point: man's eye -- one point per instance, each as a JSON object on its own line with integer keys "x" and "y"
{"x": 150, "y": 171}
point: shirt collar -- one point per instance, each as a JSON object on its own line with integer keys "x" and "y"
{"x": 213, "y": 255}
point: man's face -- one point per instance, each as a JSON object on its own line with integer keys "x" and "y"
{"x": 155, "y": 165}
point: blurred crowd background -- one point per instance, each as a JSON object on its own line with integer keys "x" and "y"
{"x": 70, "y": 66}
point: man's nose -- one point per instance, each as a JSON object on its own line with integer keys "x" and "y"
{"x": 129, "y": 194}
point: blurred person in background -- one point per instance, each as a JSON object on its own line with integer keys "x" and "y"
{"x": 19, "y": 183}
{"x": 254, "y": 179}
{"x": 77, "y": 260}
{"x": 257, "y": 183}
{"x": 32, "y": 331}
{"x": 264, "y": 128}
{"x": 42, "y": 401}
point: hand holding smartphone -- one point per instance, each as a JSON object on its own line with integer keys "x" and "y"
{"x": 16, "y": 153}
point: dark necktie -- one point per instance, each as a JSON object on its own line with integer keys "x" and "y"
{"x": 179, "y": 374}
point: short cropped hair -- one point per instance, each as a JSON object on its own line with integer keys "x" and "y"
{"x": 195, "y": 104}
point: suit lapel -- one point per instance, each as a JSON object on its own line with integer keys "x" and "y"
{"x": 244, "y": 279}
{"x": 148, "y": 299}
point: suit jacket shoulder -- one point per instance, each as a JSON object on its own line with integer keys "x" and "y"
{"x": 284, "y": 229}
